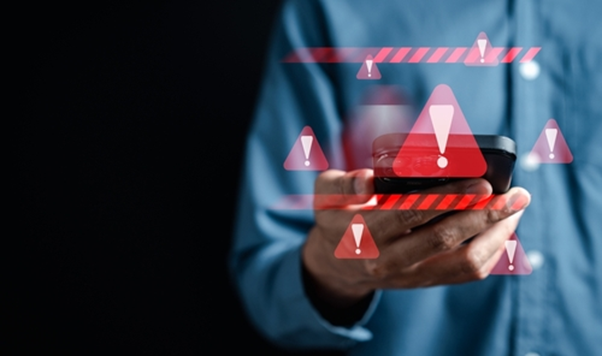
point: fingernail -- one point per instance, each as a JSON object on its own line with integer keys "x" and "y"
{"x": 517, "y": 202}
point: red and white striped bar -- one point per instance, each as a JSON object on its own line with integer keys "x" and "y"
{"x": 394, "y": 202}
{"x": 465, "y": 55}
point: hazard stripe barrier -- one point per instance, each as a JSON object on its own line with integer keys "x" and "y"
{"x": 393, "y": 202}
{"x": 465, "y": 55}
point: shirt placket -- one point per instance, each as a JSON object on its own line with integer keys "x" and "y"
{"x": 529, "y": 113}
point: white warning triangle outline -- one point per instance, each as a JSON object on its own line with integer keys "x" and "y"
{"x": 481, "y": 47}
{"x": 514, "y": 260}
{"x": 543, "y": 152}
{"x": 368, "y": 70}
{"x": 420, "y": 155}
{"x": 306, "y": 153}
{"x": 352, "y": 246}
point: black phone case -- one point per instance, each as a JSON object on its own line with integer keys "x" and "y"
{"x": 499, "y": 153}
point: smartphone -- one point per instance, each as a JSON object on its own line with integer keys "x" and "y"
{"x": 499, "y": 153}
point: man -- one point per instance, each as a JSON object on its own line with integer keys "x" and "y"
{"x": 429, "y": 291}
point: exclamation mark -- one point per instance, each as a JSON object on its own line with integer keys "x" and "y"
{"x": 441, "y": 117}
{"x": 369, "y": 62}
{"x": 306, "y": 143}
{"x": 482, "y": 43}
{"x": 358, "y": 230}
{"x": 551, "y": 136}
{"x": 510, "y": 250}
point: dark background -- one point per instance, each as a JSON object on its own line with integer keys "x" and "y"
{"x": 128, "y": 148}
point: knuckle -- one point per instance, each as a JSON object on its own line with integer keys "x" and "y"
{"x": 473, "y": 262}
{"x": 442, "y": 238}
{"x": 412, "y": 217}
{"x": 376, "y": 270}
{"x": 502, "y": 211}
{"x": 493, "y": 216}
{"x": 481, "y": 274}
{"x": 344, "y": 186}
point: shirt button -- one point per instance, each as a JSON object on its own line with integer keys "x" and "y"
{"x": 529, "y": 162}
{"x": 536, "y": 259}
{"x": 531, "y": 354}
{"x": 529, "y": 70}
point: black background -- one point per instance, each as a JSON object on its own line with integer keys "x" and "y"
{"x": 128, "y": 148}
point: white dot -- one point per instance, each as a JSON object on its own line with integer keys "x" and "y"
{"x": 442, "y": 162}
{"x": 529, "y": 70}
{"x": 531, "y": 354}
{"x": 482, "y": 60}
{"x": 306, "y": 163}
{"x": 511, "y": 267}
{"x": 530, "y": 162}
{"x": 551, "y": 156}
{"x": 536, "y": 259}
{"x": 369, "y": 74}
{"x": 358, "y": 251}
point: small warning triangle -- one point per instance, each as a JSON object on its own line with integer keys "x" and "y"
{"x": 481, "y": 53}
{"x": 551, "y": 146}
{"x": 306, "y": 154}
{"x": 357, "y": 242}
{"x": 440, "y": 143}
{"x": 368, "y": 70}
{"x": 514, "y": 261}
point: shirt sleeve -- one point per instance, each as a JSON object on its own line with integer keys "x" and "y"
{"x": 265, "y": 259}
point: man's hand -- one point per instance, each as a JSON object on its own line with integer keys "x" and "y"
{"x": 411, "y": 254}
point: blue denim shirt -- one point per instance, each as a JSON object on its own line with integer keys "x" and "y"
{"x": 557, "y": 309}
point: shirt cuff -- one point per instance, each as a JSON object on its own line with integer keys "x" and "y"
{"x": 318, "y": 331}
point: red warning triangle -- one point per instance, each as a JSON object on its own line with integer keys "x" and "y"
{"x": 482, "y": 53}
{"x": 368, "y": 70}
{"x": 440, "y": 143}
{"x": 306, "y": 154}
{"x": 357, "y": 242}
{"x": 551, "y": 146}
{"x": 514, "y": 261}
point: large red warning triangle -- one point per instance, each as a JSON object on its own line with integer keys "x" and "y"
{"x": 440, "y": 143}
{"x": 514, "y": 260}
{"x": 357, "y": 242}
{"x": 306, "y": 154}
{"x": 368, "y": 70}
{"x": 482, "y": 52}
{"x": 551, "y": 146}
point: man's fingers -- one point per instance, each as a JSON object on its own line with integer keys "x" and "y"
{"x": 472, "y": 261}
{"x": 389, "y": 223}
{"x": 447, "y": 234}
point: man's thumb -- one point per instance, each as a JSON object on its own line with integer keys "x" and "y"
{"x": 335, "y": 188}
